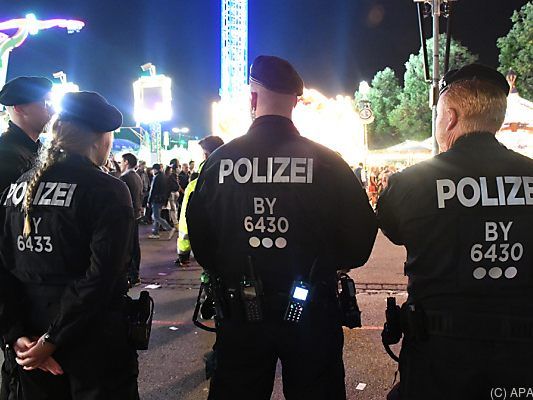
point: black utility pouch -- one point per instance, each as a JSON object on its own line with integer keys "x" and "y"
{"x": 415, "y": 322}
{"x": 140, "y": 313}
{"x": 346, "y": 293}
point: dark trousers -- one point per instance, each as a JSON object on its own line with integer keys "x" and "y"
{"x": 119, "y": 384}
{"x": 310, "y": 355}
{"x": 100, "y": 366}
{"x": 135, "y": 264}
{"x": 444, "y": 368}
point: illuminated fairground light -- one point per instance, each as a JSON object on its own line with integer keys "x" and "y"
{"x": 23, "y": 28}
{"x": 332, "y": 122}
{"x": 31, "y": 25}
{"x": 60, "y": 89}
{"x": 153, "y": 99}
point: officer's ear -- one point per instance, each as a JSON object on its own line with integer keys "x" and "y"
{"x": 253, "y": 100}
{"x": 19, "y": 109}
{"x": 452, "y": 118}
{"x": 295, "y": 102}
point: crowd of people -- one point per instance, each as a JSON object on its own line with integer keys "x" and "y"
{"x": 166, "y": 183}
{"x": 159, "y": 197}
{"x": 375, "y": 180}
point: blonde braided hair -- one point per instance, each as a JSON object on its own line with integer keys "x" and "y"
{"x": 52, "y": 154}
{"x": 67, "y": 137}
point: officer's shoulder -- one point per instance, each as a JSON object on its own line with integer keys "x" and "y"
{"x": 8, "y": 155}
{"x": 109, "y": 181}
{"x": 323, "y": 156}
{"x": 4, "y": 137}
{"x": 6, "y": 145}
{"x": 517, "y": 157}
{"x": 421, "y": 172}
{"x": 27, "y": 175}
{"x": 321, "y": 150}
{"x": 232, "y": 149}
{"x": 109, "y": 187}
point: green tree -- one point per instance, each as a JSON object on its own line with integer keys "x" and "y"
{"x": 412, "y": 117}
{"x": 516, "y": 50}
{"x": 384, "y": 97}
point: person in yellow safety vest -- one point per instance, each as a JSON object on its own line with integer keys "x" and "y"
{"x": 209, "y": 144}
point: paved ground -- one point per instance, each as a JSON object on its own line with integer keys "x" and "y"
{"x": 172, "y": 369}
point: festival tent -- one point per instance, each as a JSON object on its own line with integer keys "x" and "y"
{"x": 519, "y": 115}
{"x": 405, "y": 153}
{"x": 516, "y": 132}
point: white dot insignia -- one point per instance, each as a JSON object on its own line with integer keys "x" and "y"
{"x": 480, "y": 273}
{"x": 281, "y": 243}
{"x": 495, "y": 272}
{"x": 267, "y": 242}
{"x": 511, "y": 272}
{"x": 254, "y": 241}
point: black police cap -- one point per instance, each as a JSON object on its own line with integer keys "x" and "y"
{"x": 276, "y": 74}
{"x": 474, "y": 71}
{"x": 24, "y": 90}
{"x": 91, "y": 109}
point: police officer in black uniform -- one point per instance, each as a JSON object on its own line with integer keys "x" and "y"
{"x": 273, "y": 217}
{"x": 26, "y": 100}
{"x": 64, "y": 251}
{"x": 465, "y": 218}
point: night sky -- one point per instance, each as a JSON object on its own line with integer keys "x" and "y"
{"x": 334, "y": 44}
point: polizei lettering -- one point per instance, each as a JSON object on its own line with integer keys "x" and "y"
{"x": 48, "y": 194}
{"x": 269, "y": 170}
{"x": 499, "y": 191}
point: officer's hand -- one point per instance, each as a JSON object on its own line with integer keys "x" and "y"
{"x": 50, "y": 365}
{"x": 23, "y": 344}
{"x": 36, "y": 355}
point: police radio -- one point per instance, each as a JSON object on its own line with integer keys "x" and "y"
{"x": 251, "y": 292}
{"x": 351, "y": 315}
{"x": 297, "y": 300}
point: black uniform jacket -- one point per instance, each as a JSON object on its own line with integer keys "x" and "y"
{"x": 17, "y": 154}
{"x": 68, "y": 278}
{"x": 466, "y": 219}
{"x": 283, "y": 200}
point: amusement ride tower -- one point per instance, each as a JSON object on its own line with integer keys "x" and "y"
{"x": 234, "y": 48}
{"x": 231, "y": 116}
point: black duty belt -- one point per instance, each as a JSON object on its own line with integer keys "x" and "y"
{"x": 274, "y": 304}
{"x": 479, "y": 326}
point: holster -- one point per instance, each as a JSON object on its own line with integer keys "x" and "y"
{"x": 10, "y": 387}
{"x": 140, "y": 313}
{"x": 392, "y": 329}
